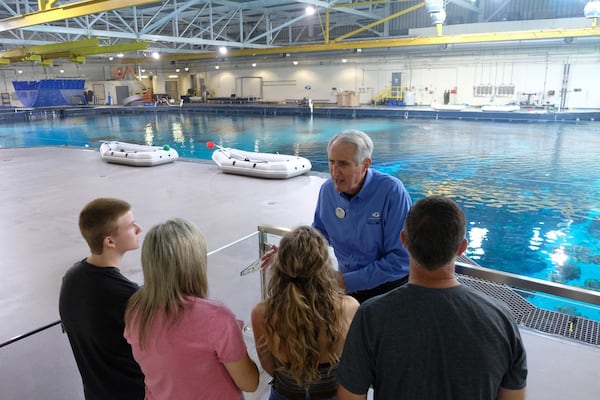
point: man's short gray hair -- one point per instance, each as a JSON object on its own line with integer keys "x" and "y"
{"x": 362, "y": 141}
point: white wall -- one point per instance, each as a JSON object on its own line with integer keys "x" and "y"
{"x": 530, "y": 70}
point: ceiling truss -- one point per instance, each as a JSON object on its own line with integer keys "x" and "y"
{"x": 195, "y": 29}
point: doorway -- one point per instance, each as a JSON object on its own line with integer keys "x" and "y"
{"x": 172, "y": 89}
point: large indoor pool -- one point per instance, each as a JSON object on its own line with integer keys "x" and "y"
{"x": 531, "y": 192}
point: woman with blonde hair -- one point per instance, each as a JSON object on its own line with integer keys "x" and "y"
{"x": 300, "y": 328}
{"x": 188, "y": 347}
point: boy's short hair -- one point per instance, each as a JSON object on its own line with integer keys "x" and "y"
{"x": 98, "y": 219}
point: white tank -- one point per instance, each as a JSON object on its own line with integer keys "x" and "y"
{"x": 409, "y": 98}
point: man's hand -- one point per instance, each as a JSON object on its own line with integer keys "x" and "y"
{"x": 268, "y": 258}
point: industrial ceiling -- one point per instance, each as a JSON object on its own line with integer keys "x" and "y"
{"x": 91, "y": 30}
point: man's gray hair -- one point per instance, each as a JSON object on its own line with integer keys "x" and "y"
{"x": 364, "y": 144}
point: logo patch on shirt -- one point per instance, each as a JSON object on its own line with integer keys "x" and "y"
{"x": 374, "y": 218}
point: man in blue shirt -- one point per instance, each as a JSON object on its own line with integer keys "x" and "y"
{"x": 361, "y": 212}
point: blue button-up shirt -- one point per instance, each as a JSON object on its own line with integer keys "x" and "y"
{"x": 365, "y": 230}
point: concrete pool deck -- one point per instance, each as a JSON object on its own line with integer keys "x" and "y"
{"x": 42, "y": 190}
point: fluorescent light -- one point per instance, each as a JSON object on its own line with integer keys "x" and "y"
{"x": 173, "y": 76}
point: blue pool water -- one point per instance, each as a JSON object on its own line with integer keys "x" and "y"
{"x": 531, "y": 192}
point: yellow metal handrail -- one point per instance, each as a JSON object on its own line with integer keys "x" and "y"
{"x": 390, "y": 93}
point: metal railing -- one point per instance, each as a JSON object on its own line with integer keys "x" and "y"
{"x": 470, "y": 268}
{"x": 30, "y": 333}
{"x": 20, "y": 337}
{"x": 523, "y": 282}
{"x": 516, "y": 291}
{"x": 464, "y": 266}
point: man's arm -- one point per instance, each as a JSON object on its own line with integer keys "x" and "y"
{"x": 317, "y": 221}
{"x": 392, "y": 262}
{"x": 378, "y": 272}
{"x": 509, "y": 394}
{"x": 345, "y": 394}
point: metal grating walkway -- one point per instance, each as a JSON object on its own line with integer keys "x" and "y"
{"x": 526, "y": 314}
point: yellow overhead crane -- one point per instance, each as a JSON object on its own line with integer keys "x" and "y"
{"x": 75, "y": 51}
{"x": 47, "y": 13}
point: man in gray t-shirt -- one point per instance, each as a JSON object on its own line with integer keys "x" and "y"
{"x": 433, "y": 339}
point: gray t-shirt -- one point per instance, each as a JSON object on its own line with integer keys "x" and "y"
{"x": 437, "y": 344}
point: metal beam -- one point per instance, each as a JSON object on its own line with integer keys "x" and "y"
{"x": 381, "y": 21}
{"x": 72, "y": 10}
{"x": 89, "y": 51}
{"x": 49, "y": 48}
{"x": 345, "y": 8}
{"x": 72, "y": 50}
{"x": 466, "y": 4}
{"x": 169, "y": 16}
{"x": 46, "y": 4}
{"x": 404, "y": 42}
